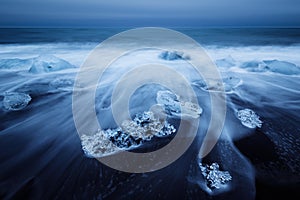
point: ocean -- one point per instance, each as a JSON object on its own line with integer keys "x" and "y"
{"x": 44, "y": 154}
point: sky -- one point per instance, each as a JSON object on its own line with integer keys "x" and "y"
{"x": 135, "y": 13}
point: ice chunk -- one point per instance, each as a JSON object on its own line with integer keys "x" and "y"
{"x": 15, "y": 101}
{"x": 49, "y": 63}
{"x": 174, "y": 106}
{"x": 215, "y": 178}
{"x": 131, "y": 134}
{"x": 249, "y": 118}
{"x": 173, "y": 55}
{"x": 281, "y": 67}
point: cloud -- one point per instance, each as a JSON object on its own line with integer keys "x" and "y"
{"x": 131, "y": 12}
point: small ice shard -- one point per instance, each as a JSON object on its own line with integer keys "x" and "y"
{"x": 173, "y": 105}
{"x": 49, "y": 63}
{"x": 15, "y": 100}
{"x": 173, "y": 55}
{"x": 249, "y": 118}
{"x": 215, "y": 178}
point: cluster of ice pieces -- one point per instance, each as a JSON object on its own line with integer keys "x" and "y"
{"x": 215, "y": 178}
{"x": 174, "y": 106}
{"x": 131, "y": 134}
{"x": 249, "y": 118}
{"x": 173, "y": 55}
{"x": 13, "y": 101}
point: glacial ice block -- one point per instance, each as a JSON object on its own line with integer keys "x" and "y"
{"x": 214, "y": 177}
{"x": 249, "y": 118}
{"x": 49, "y": 63}
{"x": 15, "y": 101}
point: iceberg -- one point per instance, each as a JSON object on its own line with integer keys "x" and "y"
{"x": 14, "y": 101}
{"x": 214, "y": 177}
{"x": 249, "y": 118}
{"x": 49, "y": 63}
{"x": 173, "y": 55}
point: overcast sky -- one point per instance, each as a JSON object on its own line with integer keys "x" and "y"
{"x": 185, "y": 13}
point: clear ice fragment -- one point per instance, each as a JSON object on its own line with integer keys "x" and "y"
{"x": 15, "y": 100}
{"x": 249, "y": 118}
{"x": 173, "y": 105}
{"x": 215, "y": 178}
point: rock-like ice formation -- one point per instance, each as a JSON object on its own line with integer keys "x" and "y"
{"x": 173, "y": 55}
{"x": 249, "y": 118}
{"x": 174, "y": 106}
{"x": 15, "y": 100}
{"x": 215, "y": 178}
{"x": 131, "y": 134}
{"x": 49, "y": 63}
